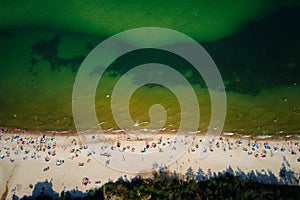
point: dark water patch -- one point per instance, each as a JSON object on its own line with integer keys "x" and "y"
{"x": 6, "y": 34}
{"x": 139, "y": 57}
{"x": 48, "y": 51}
{"x": 263, "y": 55}
{"x": 152, "y": 85}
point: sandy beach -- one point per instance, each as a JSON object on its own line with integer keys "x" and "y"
{"x": 62, "y": 160}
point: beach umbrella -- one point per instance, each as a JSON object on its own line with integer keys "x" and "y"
{"x": 77, "y": 151}
{"x": 85, "y": 181}
{"x": 47, "y": 158}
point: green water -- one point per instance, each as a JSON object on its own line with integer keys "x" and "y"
{"x": 203, "y": 20}
{"x": 41, "y": 51}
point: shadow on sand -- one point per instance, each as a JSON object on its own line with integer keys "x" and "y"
{"x": 44, "y": 190}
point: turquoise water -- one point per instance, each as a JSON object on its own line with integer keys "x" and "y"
{"x": 254, "y": 49}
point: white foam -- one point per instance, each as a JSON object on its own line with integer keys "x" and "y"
{"x": 263, "y": 136}
{"x": 246, "y": 136}
{"x": 228, "y": 133}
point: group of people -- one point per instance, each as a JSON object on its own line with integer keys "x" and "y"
{"x": 256, "y": 148}
{"x": 27, "y": 147}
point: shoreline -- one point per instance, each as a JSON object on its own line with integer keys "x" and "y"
{"x": 9, "y": 130}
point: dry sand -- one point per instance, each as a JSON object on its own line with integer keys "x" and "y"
{"x": 17, "y": 175}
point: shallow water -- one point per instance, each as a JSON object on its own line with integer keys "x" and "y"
{"x": 259, "y": 63}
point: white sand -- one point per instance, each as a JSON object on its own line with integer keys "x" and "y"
{"x": 20, "y": 173}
